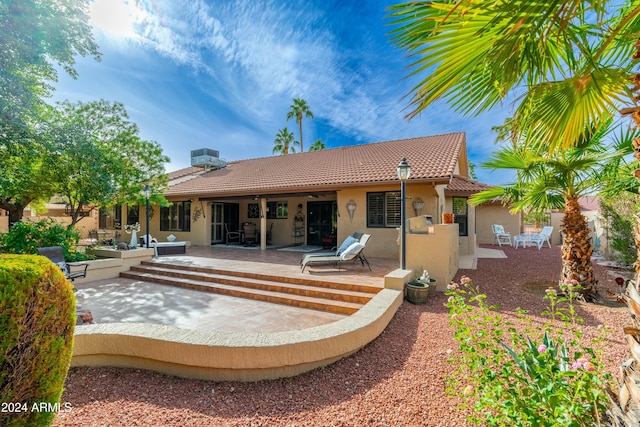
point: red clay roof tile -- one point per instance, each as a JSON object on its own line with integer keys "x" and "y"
{"x": 430, "y": 157}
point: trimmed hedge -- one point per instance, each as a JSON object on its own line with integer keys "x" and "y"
{"x": 37, "y": 319}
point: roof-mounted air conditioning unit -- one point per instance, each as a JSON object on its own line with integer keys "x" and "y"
{"x": 207, "y": 158}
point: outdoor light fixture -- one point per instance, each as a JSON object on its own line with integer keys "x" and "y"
{"x": 418, "y": 205}
{"x": 404, "y": 171}
{"x": 147, "y": 194}
{"x": 351, "y": 207}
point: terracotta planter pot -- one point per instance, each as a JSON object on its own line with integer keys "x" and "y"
{"x": 447, "y": 218}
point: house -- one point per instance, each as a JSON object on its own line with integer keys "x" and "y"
{"x": 306, "y": 198}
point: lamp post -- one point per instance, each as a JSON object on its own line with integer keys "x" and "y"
{"x": 404, "y": 171}
{"x": 147, "y": 194}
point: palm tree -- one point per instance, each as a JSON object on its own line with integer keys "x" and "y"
{"x": 299, "y": 108}
{"x": 284, "y": 142}
{"x": 570, "y": 63}
{"x": 557, "y": 180}
{"x": 564, "y": 76}
{"x": 318, "y": 145}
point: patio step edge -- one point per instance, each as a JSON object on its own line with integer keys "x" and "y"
{"x": 345, "y": 295}
{"x": 306, "y": 281}
{"x": 333, "y": 306}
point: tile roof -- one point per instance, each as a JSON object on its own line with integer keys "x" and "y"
{"x": 460, "y": 184}
{"x": 431, "y": 158}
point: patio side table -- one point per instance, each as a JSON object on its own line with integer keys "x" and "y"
{"x": 524, "y": 238}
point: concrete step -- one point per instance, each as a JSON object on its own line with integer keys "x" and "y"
{"x": 271, "y": 284}
{"x": 308, "y": 281}
{"x": 314, "y": 294}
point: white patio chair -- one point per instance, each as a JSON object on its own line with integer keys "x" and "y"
{"x": 540, "y": 238}
{"x": 500, "y": 236}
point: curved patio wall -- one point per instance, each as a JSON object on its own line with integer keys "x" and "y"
{"x": 224, "y": 356}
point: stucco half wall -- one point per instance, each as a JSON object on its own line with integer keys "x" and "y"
{"x": 223, "y": 356}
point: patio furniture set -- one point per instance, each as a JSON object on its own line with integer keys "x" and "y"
{"x": 500, "y": 236}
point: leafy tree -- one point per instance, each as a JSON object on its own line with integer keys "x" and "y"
{"x": 299, "y": 109}
{"x": 318, "y": 145}
{"x": 557, "y": 180}
{"x": 98, "y": 158}
{"x": 36, "y": 37}
{"x": 24, "y": 162}
{"x": 284, "y": 142}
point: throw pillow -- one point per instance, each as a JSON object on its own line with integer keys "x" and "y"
{"x": 350, "y": 240}
{"x": 351, "y": 250}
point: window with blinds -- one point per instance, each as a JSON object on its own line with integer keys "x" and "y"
{"x": 383, "y": 209}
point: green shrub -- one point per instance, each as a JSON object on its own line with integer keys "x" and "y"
{"x": 25, "y": 237}
{"x": 533, "y": 377}
{"x": 37, "y": 319}
{"x": 619, "y": 217}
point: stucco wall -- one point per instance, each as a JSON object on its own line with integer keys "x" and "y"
{"x": 4, "y": 222}
{"x": 437, "y": 252}
{"x": 494, "y": 213}
{"x": 383, "y": 242}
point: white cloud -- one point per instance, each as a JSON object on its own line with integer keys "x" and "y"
{"x": 254, "y": 56}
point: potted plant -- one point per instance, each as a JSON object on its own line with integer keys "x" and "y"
{"x": 417, "y": 291}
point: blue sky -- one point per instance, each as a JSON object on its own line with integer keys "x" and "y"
{"x": 222, "y": 74}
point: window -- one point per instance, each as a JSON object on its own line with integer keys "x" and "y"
{"x": 383, "y": 209}
{"x": 110, "y": 217}
{"x": 253, "y": 210}
{"x": 277, "y": 210}
{"x": 460, "y": 212}
{"x": 133, "y": 214}
{"x": 176, "y": 217}
{"x": 282, "y": 210}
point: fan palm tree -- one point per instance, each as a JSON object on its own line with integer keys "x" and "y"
{"x": 566, "y": 64}
{"x": 318, "y": 145}
{"x": 284, "y": 142}
{"x": 299, "y": 109}
{"x": 569, "y": 63}
{"x": 557, "y": 180}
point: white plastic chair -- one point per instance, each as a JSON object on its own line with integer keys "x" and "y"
{"x": 500, "y": 236}
{"x": 542, "y": 237}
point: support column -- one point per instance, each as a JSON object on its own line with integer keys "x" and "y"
{"x": 263, "y": 224}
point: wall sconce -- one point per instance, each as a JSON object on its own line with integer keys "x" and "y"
{"x": 351, "y": 207}
{"x": 418, "y": 205}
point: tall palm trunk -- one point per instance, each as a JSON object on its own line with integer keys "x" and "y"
{"x": 624, "y": 408}
{"x": 300, "y": 122}
{"x": 576, "y": 249}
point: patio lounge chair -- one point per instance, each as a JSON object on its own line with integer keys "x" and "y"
{"x": 350, "y": 254}
{"x": 55, "y": 255}
{"x": 500, "y": 236}
{"x": 542, "y": 237}
{"x": 337, "y": 250}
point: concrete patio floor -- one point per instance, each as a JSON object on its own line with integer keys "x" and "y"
{"x": 127, "y": 301}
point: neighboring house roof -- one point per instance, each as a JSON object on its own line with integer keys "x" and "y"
{"x": 461, "y": 185}
{"x": 432, "y": 158}
{"x": 589, "y": 203}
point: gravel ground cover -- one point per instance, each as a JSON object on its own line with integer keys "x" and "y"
{"x": 397, "y": 380}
